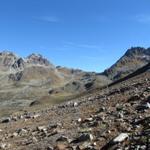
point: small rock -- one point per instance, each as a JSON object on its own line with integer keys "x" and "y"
{"x": 143, "y": 107}
{"x": 83, "y": 138}
{"x": 36, "y": 116}
{"x": 148, "y": 89}
{"x": 75, "y": 104}
{"x": 62, "y": 139}
{"x": 34, "y": 139}
{"x": 88, "y": 119}
{"x": 60, "y": 147}
{"x": 3, "y": 146}
{"x": 134, "y": 98}
{"x": 121, "y": 138}
{"x": 120, "y": 115}
{"x": 60, "y": 125}
{"x": 14, "y": 118}
{"x": 6, "y": 120}
{"x": 24, "y": 131}
{"x": 49, "y": 148}
{"x": 15, "y": 134}
{"x": 108, "y": 132}
{"x": 21, "y": 117}
{"x": 21, "y": 131}
{"x": 148, "y": 105}
{"x": 42, "y": 128}
{"x": 79, "y": 120}
{"x": 86, "y": 146}
{"x": 113, "y": 143}
{"x": 102, "y": 109}
{"x": 52, "y": 126}
{"x": 53, "y": 133}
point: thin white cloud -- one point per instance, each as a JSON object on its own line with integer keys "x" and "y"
{"x": 81, "y": 45}
{"x": 143, "y": 18}
{"x": 50, "y": 19}
{"x": 89, "y": 46}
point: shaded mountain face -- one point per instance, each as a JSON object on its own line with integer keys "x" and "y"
{"x": 26, "y": 80}
{"x": 133, "y": 59}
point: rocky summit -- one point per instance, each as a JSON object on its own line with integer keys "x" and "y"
{"x": 44, "y": 107}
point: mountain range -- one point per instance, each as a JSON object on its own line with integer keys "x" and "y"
{"x": 112, "y": 117}
{"x": 35, "y": 81}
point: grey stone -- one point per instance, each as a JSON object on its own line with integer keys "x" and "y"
{"x": 5, "y": 120}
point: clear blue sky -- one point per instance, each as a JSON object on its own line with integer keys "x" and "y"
{"x": 86, "y": 34}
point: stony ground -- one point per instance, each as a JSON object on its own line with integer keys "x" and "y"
{"x": 117, "y": 117}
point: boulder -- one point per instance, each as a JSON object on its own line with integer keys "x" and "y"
{"x": 120, "y": 138}
{"x": 5, "y": 120}
{"x": 113, "y": 143}
{"x": 83, "y": 138}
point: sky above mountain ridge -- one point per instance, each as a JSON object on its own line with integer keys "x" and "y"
{"x": 86, "y": 34}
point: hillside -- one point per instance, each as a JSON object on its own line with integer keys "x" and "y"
{"x": 34, "y": 81}
{"x": 133, "y": 59}
{"x": 113, "y": 118}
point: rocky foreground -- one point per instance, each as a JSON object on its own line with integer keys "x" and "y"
{"x": 117, "y": 117}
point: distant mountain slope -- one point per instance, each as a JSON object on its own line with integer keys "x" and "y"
{"x": 135, "y": 73}
{"x": 133, "y": 59}
{"x": 26, "y": 80}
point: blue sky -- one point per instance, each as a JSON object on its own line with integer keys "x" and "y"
{"x": 86, "y": 34}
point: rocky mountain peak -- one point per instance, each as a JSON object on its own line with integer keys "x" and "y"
{"x": 7, "y": 59}
{"x": 10, "y": 61}
{"x": 133, "y": 51}
{"x": 134, "y": 58}
{"x": 37, "y": 59}
{"x": 6, "y": 53}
